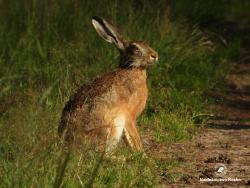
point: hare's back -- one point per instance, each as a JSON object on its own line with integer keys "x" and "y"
{"x": 108, "y": 93}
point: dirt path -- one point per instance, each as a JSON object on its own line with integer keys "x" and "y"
{"x": 221, "y": 150}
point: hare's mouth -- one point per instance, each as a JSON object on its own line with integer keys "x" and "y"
{"x": 152, "y": 62}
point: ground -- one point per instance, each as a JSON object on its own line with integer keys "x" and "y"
{"x": 223, "y": 142}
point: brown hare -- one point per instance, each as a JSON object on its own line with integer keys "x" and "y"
{"x": 106, "y": 109}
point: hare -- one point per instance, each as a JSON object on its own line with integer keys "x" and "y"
{"x": 106, "y": 110}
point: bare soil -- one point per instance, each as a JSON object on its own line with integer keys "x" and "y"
{"x": 224, "y": 143}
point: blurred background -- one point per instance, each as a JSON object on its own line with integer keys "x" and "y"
{"x": 49, "y": 48}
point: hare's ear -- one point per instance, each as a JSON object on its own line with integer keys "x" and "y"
{"x": 108, "y": 32}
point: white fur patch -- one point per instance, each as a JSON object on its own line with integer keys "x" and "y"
{"x": 128, "y": 137}
{"x": 119, "y": 124}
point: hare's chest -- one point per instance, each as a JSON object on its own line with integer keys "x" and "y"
{"x": 138, "y": 100}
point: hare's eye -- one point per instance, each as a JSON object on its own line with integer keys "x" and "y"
{"x": 134, "y": 49}
{"x": 137, "y": 50}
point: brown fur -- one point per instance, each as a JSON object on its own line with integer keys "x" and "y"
{"x": 127, "y": 87}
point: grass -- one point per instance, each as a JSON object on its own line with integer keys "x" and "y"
{"x": 49, "y": 48}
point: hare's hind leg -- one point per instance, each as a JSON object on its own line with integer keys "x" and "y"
{"x": 114, "y": 134}
{"x": 132, "y": 137}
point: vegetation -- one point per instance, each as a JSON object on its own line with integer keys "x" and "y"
{"x": 49, "y": 48}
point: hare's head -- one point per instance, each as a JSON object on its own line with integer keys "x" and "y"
{"x": 133, "y": 53}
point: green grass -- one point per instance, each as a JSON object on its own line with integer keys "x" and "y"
{"x": 49, "y": 48}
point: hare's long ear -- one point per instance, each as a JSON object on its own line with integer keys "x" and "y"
{"x": 108, "y": 32}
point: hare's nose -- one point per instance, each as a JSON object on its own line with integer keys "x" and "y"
{"x": 153, "y": 57}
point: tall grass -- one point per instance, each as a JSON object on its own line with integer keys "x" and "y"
{"x": 48, "y": 48}
{"x": 210, "y": 11}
